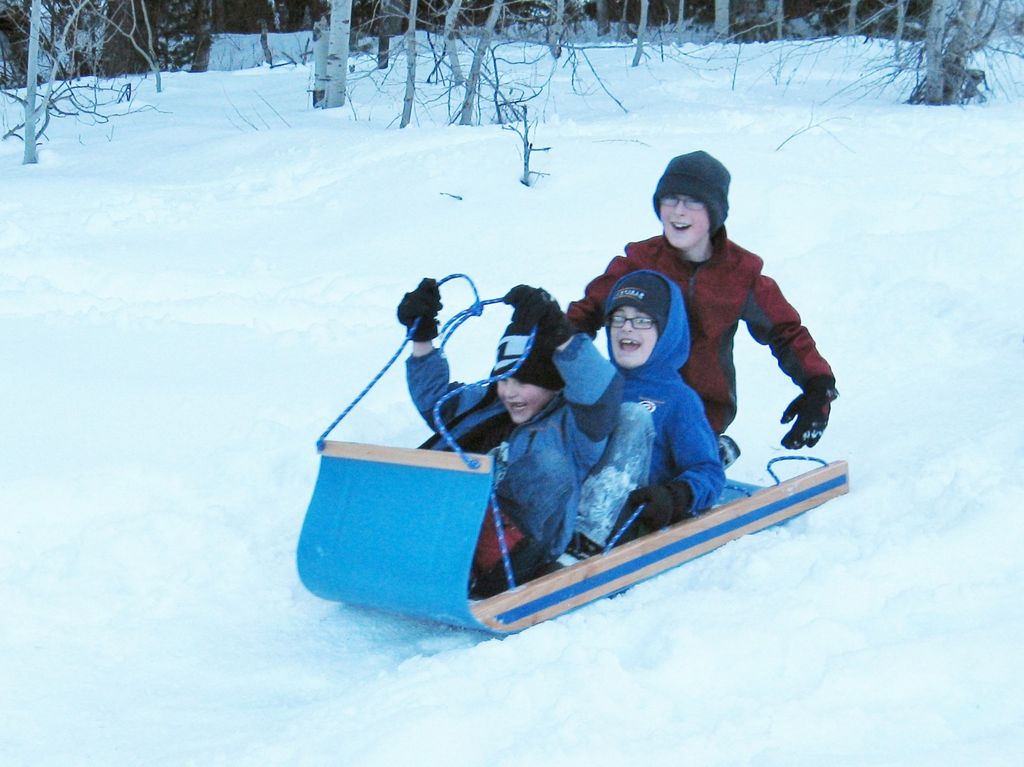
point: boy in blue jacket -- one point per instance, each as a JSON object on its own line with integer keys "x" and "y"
{"x": 548, "y": 423}
{"x": 649, "y": 341}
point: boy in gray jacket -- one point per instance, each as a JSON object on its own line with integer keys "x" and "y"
{"x": 548, "y": 424}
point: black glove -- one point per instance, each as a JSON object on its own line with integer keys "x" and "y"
{"x": 422, "y": 304}
{"x": 811, "y": 411}
{"x": 663, "y": 504}
{"x": 535, "y": 307}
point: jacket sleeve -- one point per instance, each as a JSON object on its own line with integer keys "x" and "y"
{"x": 774, "y": 322}
{"x": 587, "y": 314}
{"x": 428, "y": 381}
{"x": 593, "y": 394}
{"x": 695, "y": 451}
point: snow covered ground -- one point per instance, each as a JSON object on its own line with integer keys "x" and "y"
{"x": 190, "y": 293}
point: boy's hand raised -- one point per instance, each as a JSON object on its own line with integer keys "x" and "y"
{"x": 535, "y": 307}
{"x": 422, "y": 304}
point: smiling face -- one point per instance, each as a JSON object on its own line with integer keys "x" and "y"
{"x": 687, "y": 226}
{"x": 523, "y": 400}
{"x": 631, "y": 347}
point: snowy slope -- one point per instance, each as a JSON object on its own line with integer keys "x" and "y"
{"x": 189, "y": 294}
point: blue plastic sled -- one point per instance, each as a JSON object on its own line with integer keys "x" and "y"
{"x": 395, "y": 529}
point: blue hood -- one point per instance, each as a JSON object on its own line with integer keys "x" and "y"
{"x": 673, "y": 346}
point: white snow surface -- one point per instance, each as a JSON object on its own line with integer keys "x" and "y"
{"x": 191, "y": 292}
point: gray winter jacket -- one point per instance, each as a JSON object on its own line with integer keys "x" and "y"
{"x": 543, "y": 462}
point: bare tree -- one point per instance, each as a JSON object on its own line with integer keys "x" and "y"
{"x": 722, "y": 18}
{"x": 956, "y": 31}
{"x": 389, "y": 24}
{"x": 851, "y": 18}
{"x": 51, "y": 43}
{"x": 124, "y": 20}
{"x": 268, "y": 54}
{"x": 681, "y": 21}
{"x": 410, "y": 58}
{"x": 901, "y": 21}
{"x": 641, "y": 32}
{"x": 483, "y": 45}
{"x": 557, "y": 29}
{"x": 521, "y": 126}
{"x": 320, "y": 45}
{"x": 31, "y": 112}
{"x": 936, "y": 30}
{"x": 451, "y": 17}
{"x": 337, "y": 56}
{"x": 604, "y": 19}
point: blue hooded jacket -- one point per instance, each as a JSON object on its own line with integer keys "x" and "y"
{"x": 685, "y": 448}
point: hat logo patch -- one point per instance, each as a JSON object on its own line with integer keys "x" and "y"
{"x": 635, "y": 293}
{"x": 510, "y": 349}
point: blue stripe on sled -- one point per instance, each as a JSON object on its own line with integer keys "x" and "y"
{"x": 600, "y": 579}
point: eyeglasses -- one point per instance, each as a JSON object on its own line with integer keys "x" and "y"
{"x": 688, "y": 202}
{"x": 640, "y": 323}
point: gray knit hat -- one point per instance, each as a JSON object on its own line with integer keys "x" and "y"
{"x": 701, "y": 176}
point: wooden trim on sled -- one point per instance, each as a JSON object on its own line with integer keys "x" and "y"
{"x": 606, "y": 574}
{"x": 407, "y": 456}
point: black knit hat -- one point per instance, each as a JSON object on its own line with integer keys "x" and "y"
{"x": 697, "y": 175}
{"x": 646, "y": 291}
{"x": 539, "y": 368}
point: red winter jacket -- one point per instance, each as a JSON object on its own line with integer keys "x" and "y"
{"x": 720, "y": 292}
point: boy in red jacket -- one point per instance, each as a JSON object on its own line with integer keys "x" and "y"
{"x": 722, "y": 284}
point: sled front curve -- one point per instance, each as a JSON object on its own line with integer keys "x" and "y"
{"x": 395, "y": 529}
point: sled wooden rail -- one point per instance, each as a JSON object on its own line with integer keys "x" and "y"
{"x": 406, "y": 456}
{"x": 606, "y": 574}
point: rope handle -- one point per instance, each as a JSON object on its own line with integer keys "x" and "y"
{"x": 499, "y": 528}
{"x": 774, "y": 461}
{"x": 475, "y": 309}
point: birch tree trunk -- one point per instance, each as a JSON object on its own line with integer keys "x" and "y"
{"x": 337, "y": 55}
{"x": 32, "y": 74}
{"x": 934, "y": 35}
{"x": 482, "y": 46}
{"x": 451, "y": 16}
{"x": 722, "y": 18}
{"x": 780, "y": 19}
{"x": 556, "y": 29}
{"x": 150, "y": 53}
{"x": 641, "y": 32}
{"x": 901, "y": 20}
{"x": 604, "y": 20}
{"x": 681, "y": 22}
{"x": 320, "y": 44}
{"x": 851, "y": 18}
{"x": 388, "y": 24}
{"x": 410, "y": 62}
{"x": 968, "y": 38}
